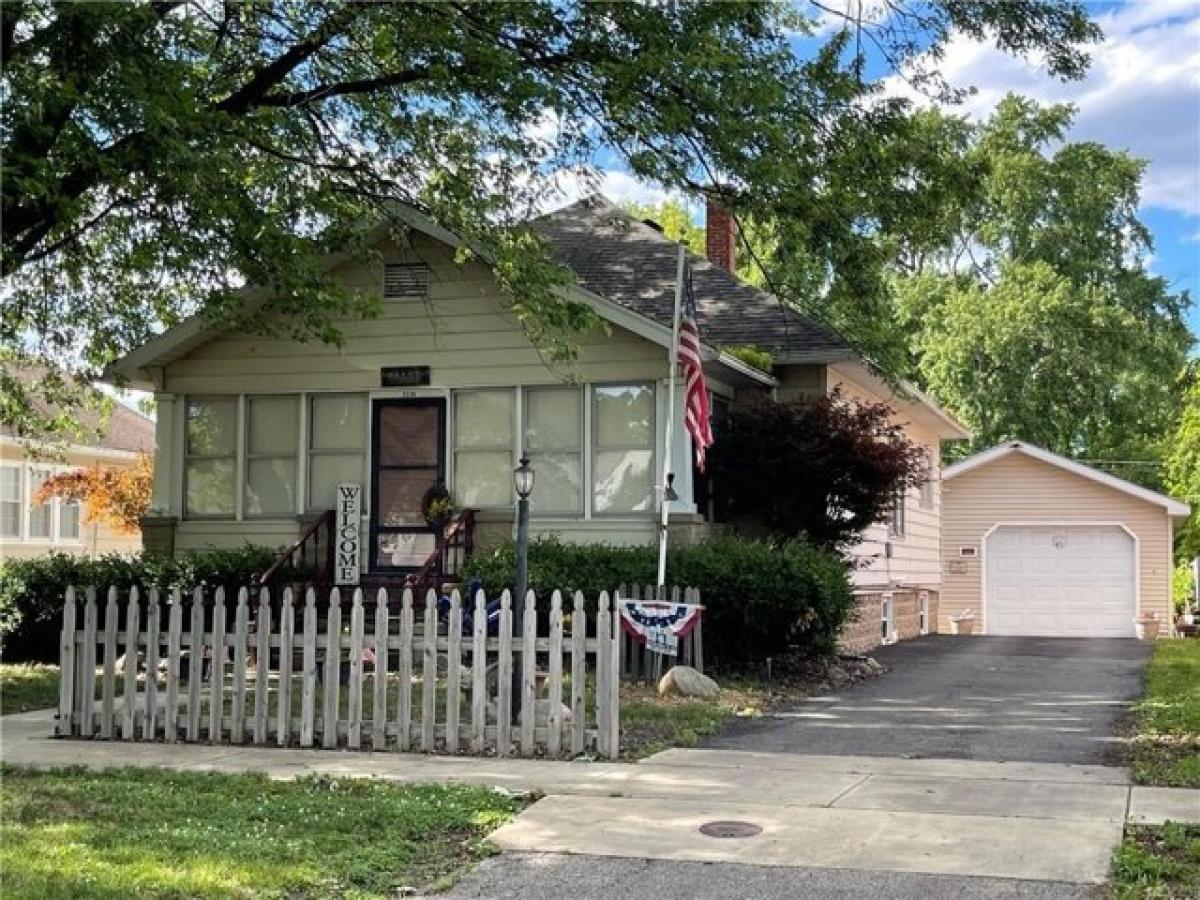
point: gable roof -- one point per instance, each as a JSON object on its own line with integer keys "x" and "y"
{"x": 984, "y": 457}
{"x": 633, "y": 264}
{"x": 123, "y": 430}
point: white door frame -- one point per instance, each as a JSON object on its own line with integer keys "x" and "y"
{"x": 1057, "y": 523}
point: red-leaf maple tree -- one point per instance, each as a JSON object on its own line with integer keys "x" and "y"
{"x": 116, "y": 497}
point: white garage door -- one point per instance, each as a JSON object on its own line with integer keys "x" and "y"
{"x": 1069, "y": 581}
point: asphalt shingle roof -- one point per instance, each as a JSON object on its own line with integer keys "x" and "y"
{"x": 633, "y": 264}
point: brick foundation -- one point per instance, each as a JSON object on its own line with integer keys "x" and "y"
{"x": 864, "y": 631}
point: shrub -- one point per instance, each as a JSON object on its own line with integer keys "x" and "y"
{"x": 759, "y": 599}
{"x": 32, "y": 590}
{"x": 853, "y": 456}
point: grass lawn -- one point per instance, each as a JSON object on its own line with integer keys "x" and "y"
{"x": 650, "y": 723}
{"x": 26, "y": 686}
{"x": 151, "y": 833}
{"x": 1157, "y": 861}
{"x": 1166, "y": 744}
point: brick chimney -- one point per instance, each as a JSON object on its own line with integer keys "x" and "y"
{"x": 720, "y": 234}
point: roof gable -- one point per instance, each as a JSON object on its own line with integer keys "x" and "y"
{"x": 985, "y": 457}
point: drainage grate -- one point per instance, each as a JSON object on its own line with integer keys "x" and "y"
{"x": 730, "y": 829}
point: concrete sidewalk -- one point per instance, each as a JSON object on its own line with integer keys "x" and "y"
{"x": 1034, "y": 821}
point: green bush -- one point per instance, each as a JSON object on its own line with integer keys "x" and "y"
{"x": 32, "y": 590}
{"x": 759, "y": 599}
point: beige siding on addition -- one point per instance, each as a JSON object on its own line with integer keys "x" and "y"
{"x": 1016, "y": 488}
{"x": 916, "y": 556}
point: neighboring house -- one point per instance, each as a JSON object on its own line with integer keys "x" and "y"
{"x": 28, "y": 529}
{"x": 254, "y": 433}
{"x": 1037, "y": 544}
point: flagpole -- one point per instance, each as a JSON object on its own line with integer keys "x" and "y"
{"x": 664, "y": 504}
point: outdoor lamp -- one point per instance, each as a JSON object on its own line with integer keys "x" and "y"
{"x": 523, "y": 479}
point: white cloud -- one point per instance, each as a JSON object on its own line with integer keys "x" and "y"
{"x": 1141, "y": 94}
{"x": 615, "y": 185}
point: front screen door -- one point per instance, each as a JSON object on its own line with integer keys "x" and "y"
{"x": 409, "y": 438}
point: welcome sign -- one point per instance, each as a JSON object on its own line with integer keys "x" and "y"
{"x": 347, "y": 551}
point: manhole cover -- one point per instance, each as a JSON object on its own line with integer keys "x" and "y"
{"x": 730, "y": 829}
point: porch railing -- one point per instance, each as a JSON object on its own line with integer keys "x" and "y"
{"x": 309, "y": 558}
{"x": 456, "y": 543}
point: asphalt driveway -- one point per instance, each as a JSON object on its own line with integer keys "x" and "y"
{"x": 985, "y": 698}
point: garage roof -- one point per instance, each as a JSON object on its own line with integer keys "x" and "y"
{"x": 1170, "y": 504}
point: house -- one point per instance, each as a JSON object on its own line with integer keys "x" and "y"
{"x": 28, "y": 529}
{"x": 1038, "y": 544}
{"x": 255, "y": 433}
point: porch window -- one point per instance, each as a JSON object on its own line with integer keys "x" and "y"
{"x": 10, "y": 501}
{"x": 554, "y": 442}
{"x": 40, "y": 523}
{"x": 337, "y": 434}
{"x": 483, "y": 448}
{"x": 210, "y": 456}
{"x": 623, "y": 448}
{"x": 271, "y": 436}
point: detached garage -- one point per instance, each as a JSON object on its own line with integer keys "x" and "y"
{"x": 1036, "y": 544}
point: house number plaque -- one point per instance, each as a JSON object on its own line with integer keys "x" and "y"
{"x": 347, "y": 550}
{"x": 404, "y": 376}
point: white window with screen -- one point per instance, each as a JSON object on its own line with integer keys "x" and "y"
{"x": 885, "y": 619}
{"x": 41, "y": 515}
{"x": 337, "y": 440}
{"x": 210, "y": 457}
{"x": 554, "y": 444}
{"x": 272, "y": 426}
{"x": 483, "y": 448}
{"x": 68, "y": 520}
{"x": 622, "y": 448}
{"x": 11, "y": 507}
{"x": 925, "y": 498}
{"x": 896, "y": 518}
{"x": 923, "y": 612}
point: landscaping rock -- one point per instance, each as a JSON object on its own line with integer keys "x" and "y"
{"x": 687, "y": 682}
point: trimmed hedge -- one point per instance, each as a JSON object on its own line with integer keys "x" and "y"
{"x": 32, "y": 590}
{"x": 760, "y": 599}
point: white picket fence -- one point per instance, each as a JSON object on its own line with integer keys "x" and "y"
{"x": 368, "y": 677}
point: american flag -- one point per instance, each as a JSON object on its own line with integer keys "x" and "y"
{"x": 695, "y": 408}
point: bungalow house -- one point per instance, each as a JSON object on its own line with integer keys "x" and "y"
{"x": 30, "y": 529}
{"x": 255, "y": 433}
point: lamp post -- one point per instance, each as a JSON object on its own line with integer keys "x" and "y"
{"x": 523, "y": 479}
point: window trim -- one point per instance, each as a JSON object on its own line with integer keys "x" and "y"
{"x": 19, "y": 467}
{"x": 248, "y": 457}
{"x": 925, "y": 494}
{"x": 237, "y": 456}
{"x": 308, "y": 453}
{"x": 513, "y": 446}
{"x": 580, "y": 451}
{"x": 897, "y": 520}
{"x": 595, "y": 448}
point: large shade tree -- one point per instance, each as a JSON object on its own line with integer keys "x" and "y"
{"x": 1028, "y": 310}
{"x": 158, "y": 156}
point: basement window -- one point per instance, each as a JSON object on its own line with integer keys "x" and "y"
{"x": 402, "y": 281}
{"x": 885, "y": 619}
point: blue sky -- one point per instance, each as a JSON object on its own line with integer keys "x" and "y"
{"x": 1141, "y": 94}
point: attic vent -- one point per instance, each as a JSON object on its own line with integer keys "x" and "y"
{"x": 401, "y": 280}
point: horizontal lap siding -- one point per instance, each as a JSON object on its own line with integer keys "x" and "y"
{"x": 1017, "y": 488}
{"x": 916, "y": 557}
{"x": 463, "y": 333}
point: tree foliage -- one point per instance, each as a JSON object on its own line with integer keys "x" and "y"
{"x": 110, "y": 496}
{"x": 160, "y": 156}
{"x": 1028, "y": 310}
{"x": 823, "y": 468}
{"x": 1183, "y": 465}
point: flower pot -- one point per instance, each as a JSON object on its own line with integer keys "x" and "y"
{"x": 962, "y": 626}
{"x": 1149, "y": 627}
